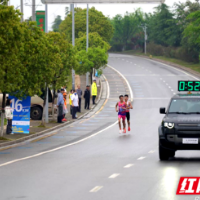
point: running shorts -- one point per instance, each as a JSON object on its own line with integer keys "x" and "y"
{"x": 128, "y": 116}
{"x": 123, "y": 117}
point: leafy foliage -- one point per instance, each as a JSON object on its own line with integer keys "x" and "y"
{"x": 94, "y": 41}
{"x": 56, "y": 23}
{"x": 97, "y": 23}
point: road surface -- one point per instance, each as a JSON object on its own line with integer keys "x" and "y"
{"x": 105, "y": 165}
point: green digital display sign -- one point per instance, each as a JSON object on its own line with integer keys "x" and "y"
{"x": 189, "y": 86}
{"x": 40, "y": 19}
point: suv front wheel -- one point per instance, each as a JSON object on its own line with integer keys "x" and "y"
{"x": 165, "y": 154}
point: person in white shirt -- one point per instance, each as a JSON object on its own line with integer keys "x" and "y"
{"x": 75, "y": 104}
{"x": 9, "y": 116}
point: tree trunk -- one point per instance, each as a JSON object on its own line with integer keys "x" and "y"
{"x": 44, "y": 104}
{"x": 3, "y": 113}
{"x": 53, "y": 100}
{"x": 91, "y": 76}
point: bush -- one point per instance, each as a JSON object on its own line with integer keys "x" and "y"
{"x": 117, "y": 47}
{"x": 180, "y": 53}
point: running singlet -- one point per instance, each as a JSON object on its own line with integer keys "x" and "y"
{"x": 121, "y": 110}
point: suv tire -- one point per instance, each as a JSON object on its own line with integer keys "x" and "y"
{"x": 36, "y": 113}
{"x": 164, "y": 154}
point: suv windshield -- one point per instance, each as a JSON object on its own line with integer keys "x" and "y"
{"x": 185, "y": 106}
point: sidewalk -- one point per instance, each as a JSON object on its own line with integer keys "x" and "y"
{"x": 35, "y": 125}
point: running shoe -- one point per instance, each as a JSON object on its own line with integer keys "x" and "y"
{"x": 124, "y": 131}
{"x": 129, "y": 128}
{"x": 120, "y": 131}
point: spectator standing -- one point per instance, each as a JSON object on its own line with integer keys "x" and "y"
{"x": 9, "y": 116}
{"x": 75, "y": 103}
{"x": 60, "y": 105}
{"x": 65, "y": 111}
{"x": 70, "y": 101}
{"x": 94, "y": 91}
{"x": 87, "y": 97}
{"x": 79, "y": 92}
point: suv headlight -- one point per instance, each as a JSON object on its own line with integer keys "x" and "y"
{"x": 169, "y": 125}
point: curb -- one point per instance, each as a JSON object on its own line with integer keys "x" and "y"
{"x": 49, "y": 131}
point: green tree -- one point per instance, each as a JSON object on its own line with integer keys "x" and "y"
{"x": 95, "y": 40}
{"x": 95, "y": 58}
{"x": 56, "y": 23}
{"x": 192, "y": 30}
{"x": 97, "y": 23}
{"x": 11, "y": 47}
{"x": 67, "y": 11}
{"x": 126, "y": 28}
{"x": 162, "y": 27}
{"x": 68, "y": 59}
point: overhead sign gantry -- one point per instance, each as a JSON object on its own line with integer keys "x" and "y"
{"x": 100, "y": 1}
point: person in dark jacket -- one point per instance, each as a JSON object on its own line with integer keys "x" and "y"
{"x": 79, "y": 92}
{"x": 87, "y": 97}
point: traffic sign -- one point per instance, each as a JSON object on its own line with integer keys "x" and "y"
{"x": 100, "y": 1}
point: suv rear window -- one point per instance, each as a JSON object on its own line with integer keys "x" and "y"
{"x": 185, "y": 106}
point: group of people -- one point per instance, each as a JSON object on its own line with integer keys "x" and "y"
{"x": 123, "y": 108}
{"x": 75, "y": 98}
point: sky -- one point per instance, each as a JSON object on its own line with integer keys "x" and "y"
{"x": 107, "y": 9}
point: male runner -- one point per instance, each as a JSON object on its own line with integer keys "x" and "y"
{"x": 121, "y": 113}
{"x": 128, "y": 107}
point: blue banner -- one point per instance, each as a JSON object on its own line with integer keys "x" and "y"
{"x": 21, "y": 114}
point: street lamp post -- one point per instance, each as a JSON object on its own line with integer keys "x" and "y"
{"x": 144, "y": 27}
{"x": 47, "y": 96}
{"x": 33, "y": 10}
{"x": 22, "y": 10}
{"x": 87, "y": 42}
{"x": 73, "y": 43}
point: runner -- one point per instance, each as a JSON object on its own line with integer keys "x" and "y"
{"x": 128, "y": 107}
{"x": 121, "y": 113}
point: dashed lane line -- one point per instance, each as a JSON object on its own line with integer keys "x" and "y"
{"x": 128, "y": 166}
{"x": 96, "y": 189}
{"x": 152, "y": 151}
{"x": 113, "y": 176}
{"x": 141, "y": 158}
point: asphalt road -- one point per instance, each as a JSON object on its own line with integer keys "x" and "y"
{"x": 105, "y": 166}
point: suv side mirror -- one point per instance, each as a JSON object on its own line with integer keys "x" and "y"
{"x": 162, "y": 111}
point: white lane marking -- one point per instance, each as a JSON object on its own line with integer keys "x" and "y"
{"x": 96, "y": 189}
{"x": 152, "y": 151}
{"x": 153, "y": 98}
{"x": 174, "y": 93}
{"x": 108, "y": 95}
{"x": 58, "y": 148}
{"x": 128, "y": 166}
{"x": 129, "y": 87}
{"x": 141, "y": 158}
{"x": 169, "y": 86}
{"x": 165, "y": 65}
{"x": 74, "y": 143}
{"x": 113, "y": 176}
{"x": 172, "y": 90}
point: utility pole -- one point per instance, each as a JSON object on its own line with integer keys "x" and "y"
{"x": 145, "y": 39}
{"x": 22, "y": 10}
{"x": 33, "y": 10}
{"x": 87, "y": 42}
{"x": 47, "y": 97}
{"x": 73, "y": 43}
{"x": 144, "y": 27}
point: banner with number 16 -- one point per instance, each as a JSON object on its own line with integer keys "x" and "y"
{"x": 21, "y": 114}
